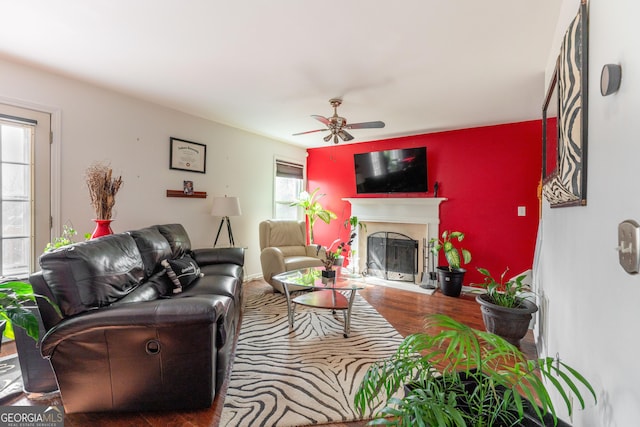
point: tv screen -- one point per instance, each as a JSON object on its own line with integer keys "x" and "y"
{"x": 402, "y": 170}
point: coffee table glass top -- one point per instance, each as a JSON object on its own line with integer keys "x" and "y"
{"x": 312, "y": 278}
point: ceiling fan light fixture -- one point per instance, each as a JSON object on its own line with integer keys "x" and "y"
{"x": 336, "y": 125}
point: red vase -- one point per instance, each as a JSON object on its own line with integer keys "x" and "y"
{"x": 103, "y": 227}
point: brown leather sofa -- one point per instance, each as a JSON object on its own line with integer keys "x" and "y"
{"x": 283, "y": 247}
{"x": 147, "y": 323}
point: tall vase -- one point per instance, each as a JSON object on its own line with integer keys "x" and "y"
{"x": 103, "y": 227}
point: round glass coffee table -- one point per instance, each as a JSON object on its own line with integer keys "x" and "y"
{"x": 337, "y": 293}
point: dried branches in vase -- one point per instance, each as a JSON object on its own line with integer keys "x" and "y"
{"x": 102, "y": 189}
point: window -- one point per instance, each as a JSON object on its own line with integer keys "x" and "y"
{"x": 15, "y": 213}
{"x": 288, "y": 186}
{"x": 24, "y": 189}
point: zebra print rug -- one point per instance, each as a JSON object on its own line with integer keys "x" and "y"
{"x": 305, "y": 376}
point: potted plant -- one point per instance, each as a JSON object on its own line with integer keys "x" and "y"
{"x": 505, "y": 311}
{"x": 103, "y": 187}
{"x": 65, "y": 239}
{"x": 454, "y": 375}
{"x": 355, "y": 226}
{"x": 13, "y": 298}
{"x": 313, "y": 210}
{"x": 451, "y": 276}
{"x": 332, "y": 254}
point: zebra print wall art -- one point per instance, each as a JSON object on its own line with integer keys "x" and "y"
{"x": 567, "y": 185}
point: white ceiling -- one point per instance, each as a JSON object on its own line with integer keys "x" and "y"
{"x": 266, "y": 65}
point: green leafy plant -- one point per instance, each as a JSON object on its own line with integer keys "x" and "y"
{"x": 454, "y": 375}
{"x": 14, "y": 296}
{"x": 505, "y": 294}
{"x": 355, "y": 224}
{"x": 313, "y": 209}
{"x": 308, "y": 278}
{"x": 334, "y": 251}
{"x": 64, "y": 240}
{"x": 451, "y": 253}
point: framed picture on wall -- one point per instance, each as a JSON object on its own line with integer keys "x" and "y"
{"x": 187, "y": 156}
{"x": 565, "y": 120}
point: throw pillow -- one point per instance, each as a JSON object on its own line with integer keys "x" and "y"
{"x": 182, "y": 271}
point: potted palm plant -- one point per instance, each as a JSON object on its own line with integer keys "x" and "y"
{"x": 451, "y": 276}
{"x": 313, "y": 210}
{"x": 505, "y": 309}
{"x": 454, "y": 375}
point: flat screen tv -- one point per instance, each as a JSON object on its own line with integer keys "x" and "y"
{"x": 402, "y": 170}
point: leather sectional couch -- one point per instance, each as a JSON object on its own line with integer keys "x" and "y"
{"x": 146, "y": 322}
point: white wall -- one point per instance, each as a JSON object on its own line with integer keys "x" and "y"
{"x": 101, "y": 125}
{"x": 592, "y": 313}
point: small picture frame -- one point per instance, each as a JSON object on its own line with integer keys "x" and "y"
{"x": 187, "y": 156}
{"x": 187, "y": 187}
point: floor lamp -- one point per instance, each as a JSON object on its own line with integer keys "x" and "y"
{"x": 225, "y": 207}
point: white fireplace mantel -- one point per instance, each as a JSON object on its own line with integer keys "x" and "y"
{"x": 399, "y": 210}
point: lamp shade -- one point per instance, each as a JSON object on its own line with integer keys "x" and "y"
{"x": 226, "y": 206}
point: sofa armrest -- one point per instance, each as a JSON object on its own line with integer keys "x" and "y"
{"x": 206, "y": 256}
{"x": 161, "y": 313}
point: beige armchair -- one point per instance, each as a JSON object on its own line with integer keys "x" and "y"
{"x": 283, "y": 248}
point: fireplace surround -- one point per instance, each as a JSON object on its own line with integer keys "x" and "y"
{"x": 418, "y": 218}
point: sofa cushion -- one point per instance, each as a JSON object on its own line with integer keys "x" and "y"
{"x": 288, "y": 251}
{"x": 153, "y": 248}
{"x": 298, "y": 262}
{"x": 177, "y": 237}
{"x": 156, "y": 286}
{"x": 92, "y": 274}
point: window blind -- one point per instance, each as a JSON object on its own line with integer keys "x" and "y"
{"x": 289, "y": 170}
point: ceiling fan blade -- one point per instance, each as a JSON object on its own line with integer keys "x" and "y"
{"x": 321, "y": 119}
{"x": 310, "y": 131}
{"x": 346, "y": 136}
{"x": 365, "y": 125}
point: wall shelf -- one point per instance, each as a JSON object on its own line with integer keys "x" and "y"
{"x": 180, "y": 193}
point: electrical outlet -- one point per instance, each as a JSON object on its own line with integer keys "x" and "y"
{"x": 522, "y": 211}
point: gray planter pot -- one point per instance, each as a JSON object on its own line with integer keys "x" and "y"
{"x": 509, "y": 323}
{"x": 37, "y": 374}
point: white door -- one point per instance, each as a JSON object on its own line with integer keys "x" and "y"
{"x": 25, "y": 198}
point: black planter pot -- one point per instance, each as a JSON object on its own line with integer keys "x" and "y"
{"x": 329, "y": 274}
{"x": 509, "y": 323}
{"x": 469, "y": 383}
{"x": 450, "y": 281}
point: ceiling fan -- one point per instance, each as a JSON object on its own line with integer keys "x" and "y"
{"x": 337, "y": 125}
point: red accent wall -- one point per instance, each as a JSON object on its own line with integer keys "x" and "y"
{"x": 485, "y": 173}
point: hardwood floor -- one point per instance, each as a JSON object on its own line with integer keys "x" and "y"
{"x": 405, "y": 310}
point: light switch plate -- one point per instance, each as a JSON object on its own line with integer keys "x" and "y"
{"x": 628, "y": 243}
